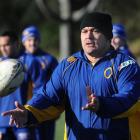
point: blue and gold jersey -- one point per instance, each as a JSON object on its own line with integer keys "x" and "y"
{"x": 38, "y": 69}
{"x": 114, "y": 79}
{"x": 47, "y": 64}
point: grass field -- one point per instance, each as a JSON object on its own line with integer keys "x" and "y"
{"x": 59, "y": 130}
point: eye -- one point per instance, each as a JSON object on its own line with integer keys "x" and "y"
{"x": 96, "y": 30}
{"x": 83, "y": 31}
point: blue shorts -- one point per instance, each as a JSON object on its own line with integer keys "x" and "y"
{"x": 42, "y": 131}
{"x": 11, "y": 133}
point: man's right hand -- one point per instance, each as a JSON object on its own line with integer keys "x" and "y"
{"x": 18, "y": 116}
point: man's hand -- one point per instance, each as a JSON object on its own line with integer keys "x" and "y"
{"x": 18, "y": 116}
{"x": 93, "y": 101}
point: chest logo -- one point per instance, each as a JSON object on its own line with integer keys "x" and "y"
{"x": 108, "y": 72}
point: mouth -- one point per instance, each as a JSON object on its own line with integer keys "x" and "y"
{"x": 90, "y": 44}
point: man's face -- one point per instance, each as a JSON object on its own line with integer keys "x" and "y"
{"x": 31, "y": 44}
{"x": 6, "y": 47}
{"x": 94, "y": 43}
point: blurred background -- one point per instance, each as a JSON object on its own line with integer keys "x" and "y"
{"x": 59, "y": 20}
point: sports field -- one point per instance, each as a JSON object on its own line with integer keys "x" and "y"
{"x": 59, "y": 131}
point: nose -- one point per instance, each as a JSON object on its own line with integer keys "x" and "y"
{"x": 90, "y": 34}
{"x": 33, "y": 42}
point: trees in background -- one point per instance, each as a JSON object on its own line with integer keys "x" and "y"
{"x": 18, "y": 14}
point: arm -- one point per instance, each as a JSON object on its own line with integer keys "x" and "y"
{"x": 46, "y": 105}
{"x": 128, "y": 93}
{"x": 130, "y": 112}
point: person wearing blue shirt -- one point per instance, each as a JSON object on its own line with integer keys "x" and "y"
{"x": 119, "y": 40}
{"x": 45, "y": 64}
{"x": 93, "y": 86}
{"x": 9, "y": 48}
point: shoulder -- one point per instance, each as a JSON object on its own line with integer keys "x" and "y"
{"x": 64, "y": 66}
{"x": 68, "y": 62}
{"x": 121, "y": 57}
{"x": 71, "y": 59}
{"x": 122, "y": 61}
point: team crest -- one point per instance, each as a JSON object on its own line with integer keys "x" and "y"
{"x": 71, "y": 59}
{"x": 108, "y": 72}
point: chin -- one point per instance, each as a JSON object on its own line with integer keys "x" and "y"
{"x": 91, "y": 50}
{"x": 90, "y": 53}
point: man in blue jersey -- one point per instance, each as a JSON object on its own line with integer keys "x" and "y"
{"x": 119, "y": 40}
{"x": 94, "y": 86}
{"x": 9, "y": 48}
{"x": 46, "y": 64}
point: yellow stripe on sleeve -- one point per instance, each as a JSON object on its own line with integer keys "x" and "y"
{"x": 46, "y": 114}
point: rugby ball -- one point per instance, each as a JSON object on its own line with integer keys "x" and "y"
{"x": 11, "y": 76}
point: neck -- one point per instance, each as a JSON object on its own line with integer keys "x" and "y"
{"x": 92, "y": 59}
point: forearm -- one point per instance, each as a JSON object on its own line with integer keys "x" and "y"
{"x": 49, "y": 113}
{"x": 114, "y": 106}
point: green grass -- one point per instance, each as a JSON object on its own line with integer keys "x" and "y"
{"x": 59, "y": 129}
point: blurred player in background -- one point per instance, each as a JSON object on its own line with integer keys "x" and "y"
{"x": 9, "y": 48}
{"x": 119, "y": 40}
{"x": 46, "y": 64}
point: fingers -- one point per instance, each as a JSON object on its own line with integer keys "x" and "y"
{"x": 85, "y": 107}
{"x": 7, "y": 113}
{"x": 19, "y": 106}
{"x": 90, "y": 94}
{"x": 91, "y": 105}
{"x": 17, "y": 116}
{"x": 88, "y": 91}
{"x": 11, "y": 122}
{"x": 14, "y": 121}
{"x": 92, "y": 100}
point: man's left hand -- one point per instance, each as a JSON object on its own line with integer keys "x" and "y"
{"x": 93, "y": 101}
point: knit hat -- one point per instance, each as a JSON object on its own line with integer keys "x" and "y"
{"x": 119, "y": 30}
{"x": 101, "y": 21}
{"x": 30, "y": 31}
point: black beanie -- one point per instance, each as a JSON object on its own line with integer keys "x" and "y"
{"x": 101, "y": 21}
